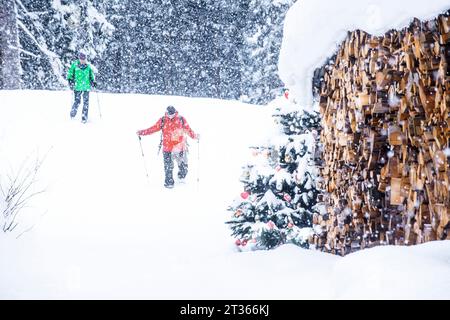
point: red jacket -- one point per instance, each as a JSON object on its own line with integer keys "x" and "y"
{"x": 174, "y": 138}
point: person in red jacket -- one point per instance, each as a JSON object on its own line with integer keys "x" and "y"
{"x": 174, "y": 142}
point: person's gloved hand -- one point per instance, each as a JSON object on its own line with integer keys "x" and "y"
{"x": 138, "y": 133}
{"x": 71, "y": 84}
{"x": 94, "y": 84}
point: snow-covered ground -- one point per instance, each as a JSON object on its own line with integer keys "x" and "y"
{"x": 101, "y": 230}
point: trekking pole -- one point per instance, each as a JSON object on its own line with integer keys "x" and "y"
{"x": 142, "y": 151}
{"x": 198, "y": 163}
{"x": 98, "y": 104}
{"x": 72, "y": 99}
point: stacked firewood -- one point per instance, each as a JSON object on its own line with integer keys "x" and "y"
{"x": 385, "y": 140}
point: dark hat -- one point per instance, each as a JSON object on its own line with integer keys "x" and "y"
{"x": 171, "y": 110}
{"x": 82, "y": 55}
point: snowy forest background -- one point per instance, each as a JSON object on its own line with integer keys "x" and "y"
{"x": 223, "y": 49}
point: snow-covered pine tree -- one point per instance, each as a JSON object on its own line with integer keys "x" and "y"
{"x": 279, "y": 196}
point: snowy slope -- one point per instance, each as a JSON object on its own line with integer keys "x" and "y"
{"x": 101, "y": 230}
{"x": 313, "y": 30}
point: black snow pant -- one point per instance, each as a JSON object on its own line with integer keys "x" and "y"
{"x": 181, "y": 159}
{"x": 76, "y": 103}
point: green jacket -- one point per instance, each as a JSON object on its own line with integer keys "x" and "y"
{"x": 82, "y": 76}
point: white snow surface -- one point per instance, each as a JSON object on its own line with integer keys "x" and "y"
{"x": 102, "y": 231}
{"x": 313, "y": 30}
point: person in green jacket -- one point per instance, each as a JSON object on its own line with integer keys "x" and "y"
{"x": 81, "y": 78}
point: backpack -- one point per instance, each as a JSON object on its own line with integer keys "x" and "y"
{"x": 162, "y": 125}
{"x": 162, "y": 121}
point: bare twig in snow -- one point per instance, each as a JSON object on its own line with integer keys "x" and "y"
{"x": 16, "y": 192}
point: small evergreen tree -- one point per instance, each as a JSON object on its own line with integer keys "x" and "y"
{"x": 279, "y": 196}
